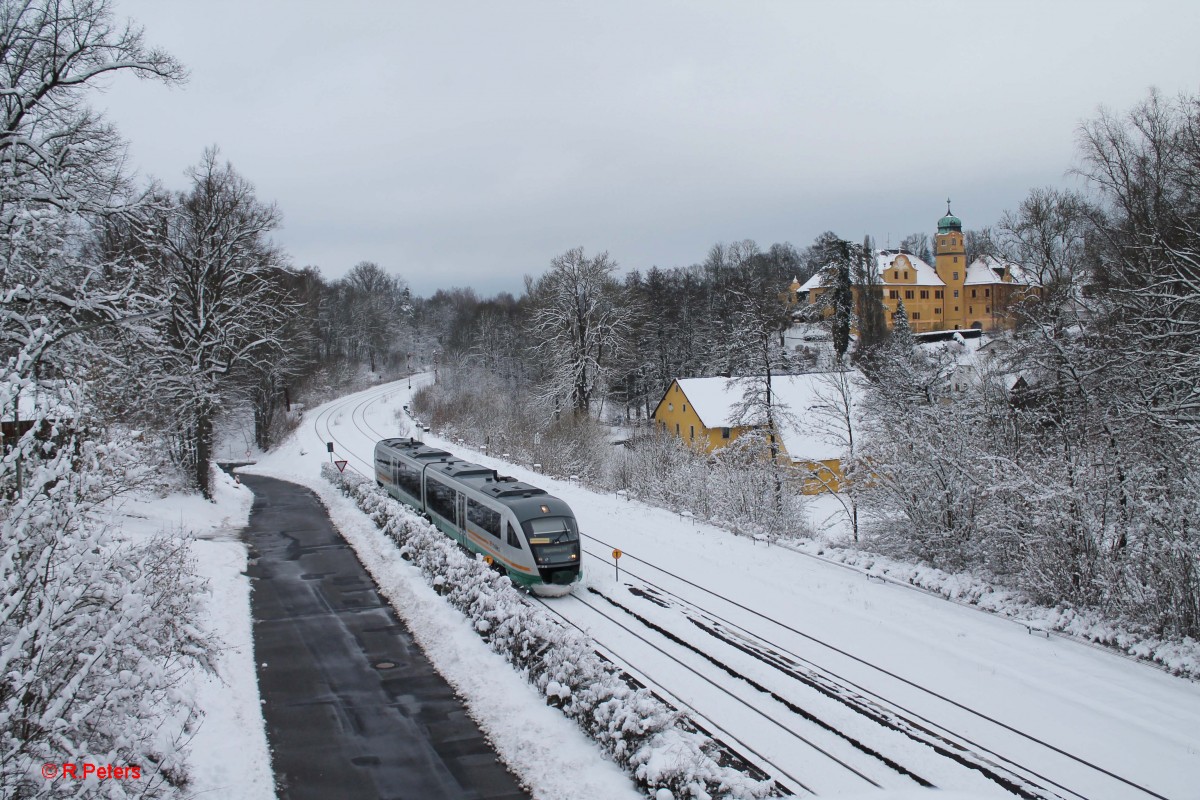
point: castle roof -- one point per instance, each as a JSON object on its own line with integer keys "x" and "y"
{"x": 886, "y": 260}
{"x": 989, "y": 269}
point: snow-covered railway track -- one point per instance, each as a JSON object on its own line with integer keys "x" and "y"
{"x": 908, "y": 734}
{"x": 704, "y": 631}
{"x": 327, "y": 422}
{"x": 786, "y": 742}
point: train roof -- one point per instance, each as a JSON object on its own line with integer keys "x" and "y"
{"x": 415, "y": 449}
{"x": 482, "y": 479}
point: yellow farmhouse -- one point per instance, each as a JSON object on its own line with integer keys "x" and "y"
{"x": 950, "y": 295}
{"x": 704, "y": 412}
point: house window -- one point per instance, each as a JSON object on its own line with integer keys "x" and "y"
{"x": 908, "y": 294}
{"x": 956, "y": 259}
{"x": 970, "y": 309}
{"x": 724, "y": 433}
{"x": 895, "y": 274}
{"x": 906, "y": 275}
{"x": 893, "y": 294}
{"x": 937, "y": 294}
{"x": 937, "y": 311}
{"x": 916, "y": 315}
{"x": 676, "y": 428}
{"x": 685, "y": 406}
{"x": 988, "y": 310}
{"x": 670, "y": 406}
{"x": 987, "y": 292}
{"x": 691, "y": 431}
{"x": 924, "y": 294}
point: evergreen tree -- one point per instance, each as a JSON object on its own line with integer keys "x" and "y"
{"x": 872, "y": 325}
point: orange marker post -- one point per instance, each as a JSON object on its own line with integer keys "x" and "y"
{"x": 617, "y": 562}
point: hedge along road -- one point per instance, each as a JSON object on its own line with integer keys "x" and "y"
{"x": 353, "y": 708}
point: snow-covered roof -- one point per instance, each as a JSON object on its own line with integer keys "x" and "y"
{"x": 926, "y": 275}
{"x": 989, "y": 269}
{"x": 717, "y": 400}
{"x": 886, "y": 260}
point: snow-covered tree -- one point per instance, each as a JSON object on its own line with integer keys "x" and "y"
{"x": 219, "y": 268}
{"x": 94, "y": 631}
{"x": 580, "y": 324}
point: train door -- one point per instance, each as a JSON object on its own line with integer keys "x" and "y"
{"x": 460, "y": 506}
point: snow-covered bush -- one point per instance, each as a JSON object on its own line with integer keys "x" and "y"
{"x": 96, "y": 633}
{"x": 735, "y": 487}
{"x": 652, "y": 741}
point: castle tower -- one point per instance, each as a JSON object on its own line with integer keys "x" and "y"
{"x": 950, "y": 263}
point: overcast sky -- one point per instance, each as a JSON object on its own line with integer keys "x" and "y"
{"x": 468, "y": 143}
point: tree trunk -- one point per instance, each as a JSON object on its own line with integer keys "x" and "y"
{"x": 204, "y": 440}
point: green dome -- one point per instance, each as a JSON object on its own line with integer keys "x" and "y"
{"x": 949, "y": 222}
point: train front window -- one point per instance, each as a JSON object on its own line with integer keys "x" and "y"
{"x": 551, "y": 530}
{"x": 554, "y": 541}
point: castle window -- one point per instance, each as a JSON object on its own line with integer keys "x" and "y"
{"x": 937, "y": 294}
{"x": 987, "y": 292}
{"x": 924, "y": 294}
{"x": 937, "y": 311}
{"x": 956, "y": 297}
{"x": 685, "y": 406}
{"x": 970, "y": 309}
{"x": 670, "y": 406}
{"x": 893, "y": 294}
{"x": 691, "y": 431}
{"x": 895, "y": 274}
{"x": 956, "y": 274}
{"x": 908, "y": 294}
{"x": 956, "y": 259}
{"x": 676, "y": 428}
{"x": 916, "y": 315}
{"x": 906, "y": 275}
{"x": 988, "y": 310}
{"x": 724, "y": 433}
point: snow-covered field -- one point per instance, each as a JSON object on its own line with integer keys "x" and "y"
{"x": 970, "y": 675}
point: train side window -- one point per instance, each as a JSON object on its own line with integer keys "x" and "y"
{"x": 440, "y": 499}
{"x": 513, "y": 539}
{"x": 487, "y": 519}
{"x": 408, "y": 478}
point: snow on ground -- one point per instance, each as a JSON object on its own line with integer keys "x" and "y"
{"x": 1177, "y": 657}
{"x": 1125, "y": 716}
{"x": 545, "y": 750}
{"x": 228, "y": 754}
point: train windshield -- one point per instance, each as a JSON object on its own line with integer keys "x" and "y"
{"x": 551, "y": 530}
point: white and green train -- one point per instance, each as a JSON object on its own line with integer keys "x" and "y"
{"x": 530, "y": 535}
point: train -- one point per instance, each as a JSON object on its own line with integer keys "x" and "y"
{"x": 529, "y": 535}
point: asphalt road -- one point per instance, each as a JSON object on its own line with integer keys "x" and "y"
{"x": 352, "y": 706}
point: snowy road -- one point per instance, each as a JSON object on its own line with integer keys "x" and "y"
{"x": 896, "y": 687}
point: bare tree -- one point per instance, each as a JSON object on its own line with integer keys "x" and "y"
{"x": 81, "y": 611}
{"x": 580, "y": 324}
{"x": 380, "y": 307}
{"x": 218, "y": 265}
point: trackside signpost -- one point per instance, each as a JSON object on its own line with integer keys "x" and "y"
{"x": 617, "y": 562}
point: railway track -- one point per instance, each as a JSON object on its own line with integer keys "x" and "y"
{"x": 814, "y": 727}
